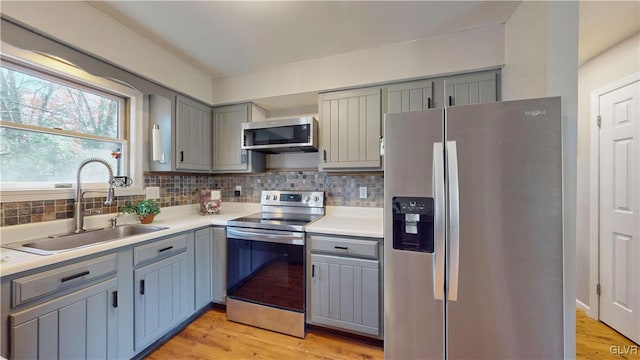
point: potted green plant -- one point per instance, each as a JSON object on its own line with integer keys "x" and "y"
{"x": 146, "y": 209}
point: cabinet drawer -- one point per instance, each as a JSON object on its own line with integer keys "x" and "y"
{"x": 159, "y": 249}
{"x": 48, "y": 282}
{"x": 344, "y": 246}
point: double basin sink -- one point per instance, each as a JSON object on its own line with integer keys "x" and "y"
{"x": 60, "y": 243}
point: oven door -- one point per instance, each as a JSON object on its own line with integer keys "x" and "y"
{"x": 266, "y": 267}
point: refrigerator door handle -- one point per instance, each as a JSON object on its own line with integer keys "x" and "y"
{"x": 439, "y": 221}
{"x": 454, "y": 220}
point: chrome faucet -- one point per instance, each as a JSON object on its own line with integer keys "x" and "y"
{"x": 78, "y": 214}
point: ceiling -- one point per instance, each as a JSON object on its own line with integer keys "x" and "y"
{"x": 224, "y": 38}
{"x": 604, "y": 24}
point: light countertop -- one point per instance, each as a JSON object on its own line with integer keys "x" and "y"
{"x": 338, "y": 220}
{"x": 176, "y": 218}
{"x": 349, "y": 221}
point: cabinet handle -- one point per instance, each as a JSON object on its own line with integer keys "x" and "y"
{"x": 341, "y": 247}
{"x": 313, "y": 271}
{"x": 114, "y": 299}
{"x": 181, "y": 156}
{"x": 428, "y": 103}
{"x": 325, "y": 155}
{"x": 68, "y": 278}
{"x": 142, "y": 287}
{"x": 450, "y": 100}
{"x": 165, "y": 249}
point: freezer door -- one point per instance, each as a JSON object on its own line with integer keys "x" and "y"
{"x": 413, "y": 315}
{"x": 508, "y": 301}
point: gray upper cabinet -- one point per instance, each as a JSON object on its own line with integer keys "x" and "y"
{"x": 228, "y": 157}
{"x": 410, "y": 96}
{"x": 468, "y": 89}
{"x": 351, "y": 129}
{"x": 193, "y": 136}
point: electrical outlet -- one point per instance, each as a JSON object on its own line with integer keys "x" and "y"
{"x": 363, "y": 192}
{"x": 238, "y": 191}
{"x": 152, "y": 192}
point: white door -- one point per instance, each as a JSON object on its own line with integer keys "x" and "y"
{"x": 619, "y": 210}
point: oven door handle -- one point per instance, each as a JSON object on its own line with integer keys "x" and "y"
{"x": 282, "y": 237}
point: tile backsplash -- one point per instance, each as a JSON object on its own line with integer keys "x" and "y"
{"x": 340, "y": 190}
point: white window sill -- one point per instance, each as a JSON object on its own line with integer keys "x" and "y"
{"x": 56, "y": 194}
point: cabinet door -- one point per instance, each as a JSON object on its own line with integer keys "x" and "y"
{"x": 203, "y": 257}
{"x": 219, "y": 267}
{"x": 193, "y": 136}
{"x": 162, "y": 298}
{"x": 351, "y": 122}
{"x": 410, "y": 96}
{"x": 470, "y": 89}
{"x": 228, "y": 155}
{"x": 345, "y": 293}
{"x": 77, "y": 326}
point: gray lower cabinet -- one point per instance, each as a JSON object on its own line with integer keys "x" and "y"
{"x": 163, "y": 289}
{"x": 161, "y": 298}
{"x": 79, "y": 325}
{"x": 345, "y": 283}
{"x": 219, "y": 265}
{"x": 203, "y": 263}
{"x": 210, "y": 266}
{"x": 351, "y": 124}
{"x": 228, "y": 157}
{"x": 345, "y": 293}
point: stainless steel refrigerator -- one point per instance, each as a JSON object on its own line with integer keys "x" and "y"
{"x": 473, "y": 232}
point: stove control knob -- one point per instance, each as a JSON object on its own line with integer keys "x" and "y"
{"x": 267, "y": 197}
{"x": 306, "y": 199}
{"x": 316, "y": 198}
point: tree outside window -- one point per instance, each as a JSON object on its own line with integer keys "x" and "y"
{"x": 49, "y": 125}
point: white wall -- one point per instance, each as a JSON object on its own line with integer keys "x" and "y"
{"x": 541, "y": 55}
{"x": 84, "y": 27}
{"x": 616, "y": 63}
{"x": 462, "y": 51}
{"x": 525, "y": 53}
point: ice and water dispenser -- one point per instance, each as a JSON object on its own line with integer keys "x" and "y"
{"x": 413, "y": 223}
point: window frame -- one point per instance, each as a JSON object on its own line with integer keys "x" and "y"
{"x": 130, "y": 130}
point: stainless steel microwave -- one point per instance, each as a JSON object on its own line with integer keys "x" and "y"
{"x": 278, "y": 136}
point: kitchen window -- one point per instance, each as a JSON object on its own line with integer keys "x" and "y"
{"x": 53, "y": 116}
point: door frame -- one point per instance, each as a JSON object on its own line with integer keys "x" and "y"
{"x": 594, "y": 192}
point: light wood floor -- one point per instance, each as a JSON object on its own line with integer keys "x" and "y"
{"x": 213, "y": 337}
{"x": 594, "y": 340}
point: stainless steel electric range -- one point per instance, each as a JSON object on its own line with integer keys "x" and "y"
{"x": 265, "y": 262}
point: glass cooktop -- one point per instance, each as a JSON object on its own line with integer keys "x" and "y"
{"x": 276, "y": 221}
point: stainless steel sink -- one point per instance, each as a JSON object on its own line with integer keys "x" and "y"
{"x": 60, "y": 243}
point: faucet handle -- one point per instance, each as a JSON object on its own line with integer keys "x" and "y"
{"x": 114, "y": 221}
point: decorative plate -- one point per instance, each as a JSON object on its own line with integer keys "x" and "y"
{"x": 212, "y": 206}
